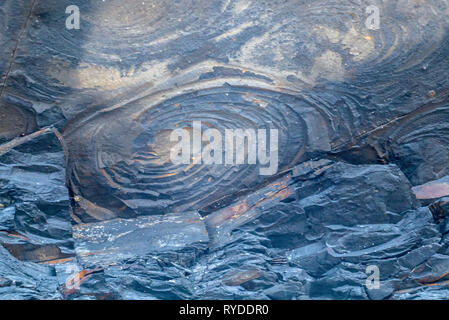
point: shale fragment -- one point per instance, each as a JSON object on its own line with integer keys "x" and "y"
{"x": 117, "y": 240}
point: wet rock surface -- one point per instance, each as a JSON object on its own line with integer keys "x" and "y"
{"x": 92, "y": 208}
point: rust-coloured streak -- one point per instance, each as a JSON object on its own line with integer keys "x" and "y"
{"x": 229, "y": 213}
{"x": 281, "y": 192}
{"x": 444, "y": 283}
{"x": 78, "y": 279}
{"x": 431, "y": 281}
{"x": 93, "y": 210}
{"x": 63, "y": 144}
{"x": 431, "y": 190}
{"x": 109, "y": 179}
{"x": 192, "y": 221}
{"x": 242, "y": 277}
{"x": 57, "y": 261}
{"x": 166, "y": 175}
{"x": 15, "y": 235}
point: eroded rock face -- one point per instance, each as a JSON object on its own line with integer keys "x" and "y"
{"x": 86, "y": 180}
{"x": 34, "y": 197}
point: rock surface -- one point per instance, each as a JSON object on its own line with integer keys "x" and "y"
{"x": 92, "y": 208}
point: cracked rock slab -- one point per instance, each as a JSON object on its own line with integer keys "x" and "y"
{"x": 112, "y": 241}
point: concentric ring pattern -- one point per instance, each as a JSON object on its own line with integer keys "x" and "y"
{"x": 121, "y": 165}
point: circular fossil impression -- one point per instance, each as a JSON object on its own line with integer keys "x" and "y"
{"x": 121, "y": 159}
